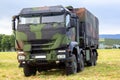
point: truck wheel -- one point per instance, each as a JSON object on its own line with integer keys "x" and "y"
{"x": 40, "y": 70}
{"x": 95, "y": 58}
{"x": 71, "y": 67}
{"x": 81, "y": 64}
{"x": 33, "y": 70}
{"x": 28, "y": 70}
{"x": 91, "y": 61}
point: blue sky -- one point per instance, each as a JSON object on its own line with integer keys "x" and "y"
{"x": 108, "y": 12}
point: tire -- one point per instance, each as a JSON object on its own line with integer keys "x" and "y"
{"x": 39, "y": 70}
{"x": 81, "y": 64}
{"x": 95, "y": 58}
{"x": 71, "y": 67}
{"x": 33, "y": 71}
{"x": 91, "y": 61}
{"x": 28, "y": 70}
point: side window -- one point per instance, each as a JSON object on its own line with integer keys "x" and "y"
{"x": 71, "y": 34}
{"x": 68, "y": 20}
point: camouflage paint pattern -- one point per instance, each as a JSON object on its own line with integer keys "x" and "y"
{"x": 28, "y": 36}
{"x": 37, "y": 30}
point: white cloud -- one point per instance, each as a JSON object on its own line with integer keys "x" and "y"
{"x": 106, "y": 10}
{"x": 109, "y": 29}
{"x": 100, "y": 2}
{"x": 5, "y": 26}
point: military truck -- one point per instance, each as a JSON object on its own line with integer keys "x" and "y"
{"x": 55, "y": 37}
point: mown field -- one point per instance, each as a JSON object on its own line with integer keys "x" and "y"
{"x": 108, "y": 68}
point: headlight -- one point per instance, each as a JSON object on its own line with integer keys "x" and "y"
{"x": 21, "y": 57}
{"x": 61, "y": 51}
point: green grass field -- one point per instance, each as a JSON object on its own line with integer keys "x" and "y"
{"x": 108, "y": 68}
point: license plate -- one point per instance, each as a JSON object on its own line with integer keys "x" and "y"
{"x": 40, "y": 56}
{"x": 61, "y": 56}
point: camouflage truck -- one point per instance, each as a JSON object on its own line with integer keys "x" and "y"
{"x": 55, "y": 37}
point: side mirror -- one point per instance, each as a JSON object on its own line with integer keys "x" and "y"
{"x": 73, "y": 23}
{"x": 13, "y": 22}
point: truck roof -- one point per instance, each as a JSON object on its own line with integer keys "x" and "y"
{"x": 42, "y": 10}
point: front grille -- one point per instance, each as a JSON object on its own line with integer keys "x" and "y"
{"x": 41, "y": 46}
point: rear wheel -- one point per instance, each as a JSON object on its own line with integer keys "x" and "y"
{"x": 95, "y": 58}
{"x": 91, "y": 61}
{"x": 71, "y": 67}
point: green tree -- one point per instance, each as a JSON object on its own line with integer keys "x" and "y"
{"x": 12, "y": 41}
{"x": 1, "y": 36}
{"x": 5, "y": 43}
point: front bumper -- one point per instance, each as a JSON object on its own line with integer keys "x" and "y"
{"x": 36, "y": 60}
{"x": 40, "y": 62}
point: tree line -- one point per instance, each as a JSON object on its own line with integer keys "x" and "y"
{"x": 7, "y": 42}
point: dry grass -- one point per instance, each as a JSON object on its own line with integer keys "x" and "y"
{"x": 108, "y": 68}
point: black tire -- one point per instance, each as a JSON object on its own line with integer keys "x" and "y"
{"x": 71, "y": 67}
{"x": 91, "y": 61}
{"x": 39, "y": 70}
{"x": 28, "y": 70}
{"x": 81, "y": 64}
{"x": 95, "y": 58}
{"x": 33, "y": 71}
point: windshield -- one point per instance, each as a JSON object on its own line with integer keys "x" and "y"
{"x": 29, "y": 20}
{"x": 49, "y": 19}
{"x": 42, "y": 19}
